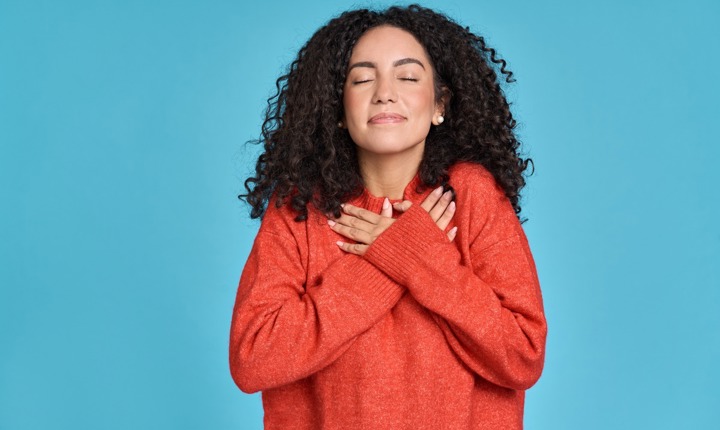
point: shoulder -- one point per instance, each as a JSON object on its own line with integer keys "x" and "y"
{"x": 482, "y": 202}
{"x": 473, "y": 181}
{"x": 280, "y": 220}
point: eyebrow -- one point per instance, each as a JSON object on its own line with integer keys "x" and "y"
{"x": 397, "y": 63}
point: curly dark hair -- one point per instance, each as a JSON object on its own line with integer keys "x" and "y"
{"x": 309, "y": 160}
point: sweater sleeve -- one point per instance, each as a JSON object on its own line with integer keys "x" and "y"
{"x": 284, "y": 330}
{"x": 489, "y": 308}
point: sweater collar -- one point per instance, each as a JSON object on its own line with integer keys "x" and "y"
{"x": 374, "y": 203}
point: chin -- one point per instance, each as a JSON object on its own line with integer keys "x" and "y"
{"x": 390, "y": 148}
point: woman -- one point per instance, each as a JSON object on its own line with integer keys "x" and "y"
{"x": 390, "y": 284}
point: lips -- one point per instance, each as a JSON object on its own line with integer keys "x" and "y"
{"x": 386, "y": 118}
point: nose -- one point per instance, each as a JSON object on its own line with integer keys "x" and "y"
{"x": 385, "y": 91}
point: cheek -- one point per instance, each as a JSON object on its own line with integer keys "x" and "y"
{"x": 424, "y": 98}
{"x": 424, "y": 102}
{"x": 351, "y": 105}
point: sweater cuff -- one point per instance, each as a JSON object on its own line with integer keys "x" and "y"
{"x": 410, "y": 246}
{"x": 372, "y": 290}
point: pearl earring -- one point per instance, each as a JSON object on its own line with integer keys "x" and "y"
{"x": 340, "y": 124}
{"x": 440, "y": 119}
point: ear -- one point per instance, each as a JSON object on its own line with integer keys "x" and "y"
{"x": 342, "y": 122}
{"x": 441, "y": 105}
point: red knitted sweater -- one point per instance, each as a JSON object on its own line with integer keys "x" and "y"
{"x": 420, "y": 333}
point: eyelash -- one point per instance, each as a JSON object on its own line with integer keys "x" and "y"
{"x": 402, "y": 79}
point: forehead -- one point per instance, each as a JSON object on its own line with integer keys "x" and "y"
{"x": 386, "y": 43}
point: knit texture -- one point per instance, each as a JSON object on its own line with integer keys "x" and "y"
{"x": 419, "y": 333}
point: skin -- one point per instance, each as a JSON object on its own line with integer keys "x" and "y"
{"x": 390, "y": 105}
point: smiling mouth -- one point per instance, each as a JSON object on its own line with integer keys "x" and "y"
{"x": 386, "y": 118}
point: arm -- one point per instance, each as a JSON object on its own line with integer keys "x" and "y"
{"x": 489, "y": 308}
{"x": 284, "y": 330}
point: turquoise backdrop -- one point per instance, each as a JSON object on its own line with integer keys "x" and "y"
{"x": 122, "y": 130}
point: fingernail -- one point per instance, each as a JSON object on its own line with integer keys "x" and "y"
{"x": 451, "y": 206}
{"x": 331, "y": 222}
{"x": 386, "y": 203}
{"x": 340, "y": 244}
{"x": 438, "y": 190}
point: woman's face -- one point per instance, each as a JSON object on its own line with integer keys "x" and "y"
{"x": 389, "y": 96}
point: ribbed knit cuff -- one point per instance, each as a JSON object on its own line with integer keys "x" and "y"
{"x": 410, "y": 246}
{"x": 371, "y": 289}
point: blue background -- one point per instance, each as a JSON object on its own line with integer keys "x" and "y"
{"x": 122, "y": 130}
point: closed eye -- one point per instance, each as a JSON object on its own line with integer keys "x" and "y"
{"x": 362, "y": 81}
{"x": 409, "y": 79}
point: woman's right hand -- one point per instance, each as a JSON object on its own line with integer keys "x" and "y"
{"x": 439, "y": 205}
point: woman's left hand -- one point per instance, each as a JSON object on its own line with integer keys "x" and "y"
{"x": 362, "y": 226}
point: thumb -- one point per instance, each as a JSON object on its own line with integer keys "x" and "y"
{"x": 402, "y": 206}
{"x": 386, "y": 208}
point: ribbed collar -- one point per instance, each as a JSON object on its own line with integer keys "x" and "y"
{"x": 374, "y": 203}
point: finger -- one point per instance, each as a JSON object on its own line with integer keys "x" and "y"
{"x": 361, "y": 213}
{"x": 386, "y": 208}
{"x": 351, "y": 221}
{"x": 351, "y": 232}
{"x": 432, "y": 199}
{"x": 442, "y": 204}
{"x": 452, "y": 233}
{"x": 352, "y": 248}
{"x": 402, "y": 206}
{"x": 445, "y": 218}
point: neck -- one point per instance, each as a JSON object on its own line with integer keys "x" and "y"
{"x": 388, "y": 175}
